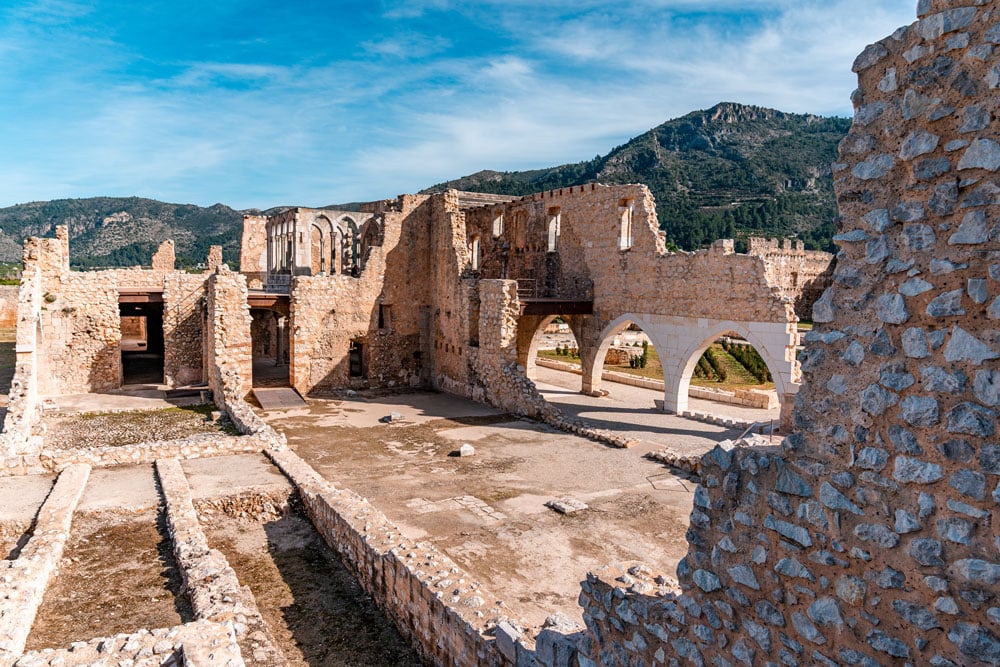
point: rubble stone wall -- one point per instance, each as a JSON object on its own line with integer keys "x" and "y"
{"x": 868, "y": 538}
{"x": 445, "y": 614}
{"x": 803, "y": 275}
{"x": 22, "y": 400}
{"x": 330, "y": 312}
{"x": 183, "y": 312}
{"x": 253, "y": 250}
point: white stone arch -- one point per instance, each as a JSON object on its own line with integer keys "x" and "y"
{"x": 476, "y": 251}
{"x": 770, "y": 340}
{"x": 350, "y": 243}
{"x": 530, "y": 365}
{"x": 592, "y": 375}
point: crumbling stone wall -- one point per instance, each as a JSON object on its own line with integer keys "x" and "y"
{"x": 253, "y": 250}
{"x": 228, "y": 350}
{"x": 183, "y": 309}
{"x": 868, "y": 538}
{"x": 803, "y": 275}
{"x": 330, "y": 312}
{"x": 164, "y": 257}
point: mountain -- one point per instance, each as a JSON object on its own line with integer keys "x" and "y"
{"x": 123, "y": 231}
{"x": 726, "y": 172}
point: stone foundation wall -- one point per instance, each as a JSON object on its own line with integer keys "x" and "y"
{"x": 23, "y": 581}
{"x": 866, "y": 539}
{"x": 447, "y": 616}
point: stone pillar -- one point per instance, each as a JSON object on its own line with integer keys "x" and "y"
{"x": 214, "y": 260}
{"x": 229, "y": 346}
{"x": 164, "y": 258}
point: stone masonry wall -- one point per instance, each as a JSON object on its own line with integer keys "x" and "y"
{"x": 183, "y": 313}
{"x": 800, "y": 274}
{"x": 329, "y": 312}
{"x": 227, "y": 338}
{"x": 869, "y": 537}
{"x": 253, "y": 250}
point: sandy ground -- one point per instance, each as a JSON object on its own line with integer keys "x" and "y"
{"x": 117, "y": 574}
{"x": 316, "y": 611}
{"x": 488, "y": 511}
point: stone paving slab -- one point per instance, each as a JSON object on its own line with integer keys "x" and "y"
{"x": 20, "y": 497}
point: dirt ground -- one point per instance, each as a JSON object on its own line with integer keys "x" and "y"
{"x": 488, "y": 511}
{"x": 117, "y": 574}
{"x": 317, "y": 612}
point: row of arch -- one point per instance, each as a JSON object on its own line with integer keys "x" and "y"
{"x": 323, "y": 246}
{"x": 679, "y": 353}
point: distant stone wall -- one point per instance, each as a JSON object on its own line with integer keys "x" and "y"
{"x": 868, "y": 538}
{"x": 253, "y": 250}
{"x": 800, "y": 274}
{"x": 8, "y": 306}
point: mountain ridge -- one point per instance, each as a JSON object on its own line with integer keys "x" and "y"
{"x": 732, "y": 170}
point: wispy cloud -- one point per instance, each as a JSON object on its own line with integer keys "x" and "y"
{"x": 94, "y": 100}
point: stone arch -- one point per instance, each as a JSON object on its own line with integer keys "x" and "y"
{"x": 529, "y": 339}
{"x": 317, "y": 249}
{"x": 592, "y": 359}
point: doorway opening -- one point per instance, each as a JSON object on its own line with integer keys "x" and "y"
{"x": 141, "y": 343}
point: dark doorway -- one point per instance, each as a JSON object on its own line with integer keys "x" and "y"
{"x": 357, "y": 359}
{"x": 142, "y": 343}
{"x": 270, "y": 343}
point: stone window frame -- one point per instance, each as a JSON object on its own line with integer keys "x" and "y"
{"x": 626, "y": 215}
{"x": 554, "y": 228}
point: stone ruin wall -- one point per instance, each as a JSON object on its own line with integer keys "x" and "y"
{"x": 591, "y": 263}
{"x": 869, "y": 537}
{"x": 8, "y": 306}
{"x": 183, "y": 301}
{"x": 328, "y": 312}
{"x": 800, "y": 274}
{"x": 253, "y": 250}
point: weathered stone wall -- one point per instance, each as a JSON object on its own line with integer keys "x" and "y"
{"x": 164, "y": 257}
{"x": 22, "y": 403}
{"x": 867, "y": 538}
{"x": 329, "y": 312}
{"x": 800, "y": 274}
{"x": 8, "y": 306}
{"x": 228, "y": 350}
{"x": 23, "y": 581}
{"x": 444, "y": 613}
{"x": 253, "y": 250}
{"x": 183, "y": 313}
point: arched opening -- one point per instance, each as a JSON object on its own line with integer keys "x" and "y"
{"x": 553, "y": 346}
{"x": 269, "y": 347}
{"x": 733, "y": 368}
{"x": 350, "y": 247}
{"x": 555, "y": 221}
{"x": 498, "y": 225}
{"x": 317, "y": 250}
{"x": 626, "y": 211}
{"x": 627, "y": 356}
{"x": 476, "y": 251}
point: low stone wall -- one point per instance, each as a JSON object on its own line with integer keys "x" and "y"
{"x": 211, "y": 584}
{"x": 446, "y": 615}
{"x": 23, "y": 581}
{"x": 750, "y": 398}
{"x": 192, "y": 447}
{"x": 198, "y": 644}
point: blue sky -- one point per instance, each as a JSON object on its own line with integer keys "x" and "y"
{"x": 257, "y": 103}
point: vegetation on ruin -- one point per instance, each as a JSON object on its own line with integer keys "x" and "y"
{"x": 731, "y": 171}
